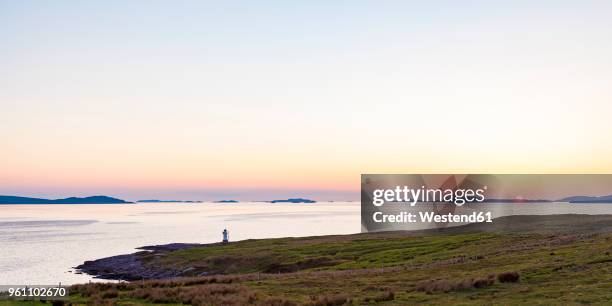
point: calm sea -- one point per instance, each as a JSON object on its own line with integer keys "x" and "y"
{"x": 39, "y": 244}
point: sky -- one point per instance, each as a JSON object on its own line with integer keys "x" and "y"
{"x": 263, "y": 99}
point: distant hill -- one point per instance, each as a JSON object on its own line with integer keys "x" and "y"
{"x": 71, "y": 200}
{"x": 226, "y": 201}
{"x": 587, "y": 199}
{"x": 296, "y": 200}
{"x": 515, "y": 201}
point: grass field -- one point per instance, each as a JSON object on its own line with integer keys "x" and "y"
{"x": 563, "y": 260}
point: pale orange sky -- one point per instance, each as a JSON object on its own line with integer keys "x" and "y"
{"x": 232, "y": 100}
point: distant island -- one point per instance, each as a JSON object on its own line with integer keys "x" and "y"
{"x": 226, "y": 201}
{"x": 296, "y": 200}
{"x": 167, "y": 201}
{"x": 587, "y": 199}
{"x": 572, "y": 199}
{"x": 71, "y": 200}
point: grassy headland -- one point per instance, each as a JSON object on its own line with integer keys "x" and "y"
{"x": 549, "y": 260}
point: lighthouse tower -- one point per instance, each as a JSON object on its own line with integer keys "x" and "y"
{"x": 225, "y": 236}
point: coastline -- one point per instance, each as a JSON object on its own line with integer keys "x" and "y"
{"x": 149, "y": 263}
{"x": 543, "y": 259}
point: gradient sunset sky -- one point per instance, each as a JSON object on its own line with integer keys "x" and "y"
{"x": 255, "y": 100}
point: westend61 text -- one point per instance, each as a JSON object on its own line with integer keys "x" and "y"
{"x": 406, "y": 217}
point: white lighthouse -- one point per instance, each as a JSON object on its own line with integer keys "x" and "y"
{"x": 225, "y": 236}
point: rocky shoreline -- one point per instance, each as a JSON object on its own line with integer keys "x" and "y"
{"x": 130, "y": 267}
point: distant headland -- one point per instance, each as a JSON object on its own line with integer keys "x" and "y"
{"x": 71, "y": 200}
{"x": 571, "y": 200}
{"x": 296, "y": 200}
{"x": 516, "y": 201}
{"x": 587, "y": 199}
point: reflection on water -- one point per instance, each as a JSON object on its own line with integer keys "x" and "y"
{"x": 44, "y": 223}
{"x": 288, "y": 215}
{"x": 124, "y": 222}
